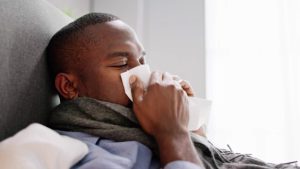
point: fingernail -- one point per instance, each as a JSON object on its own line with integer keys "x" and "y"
{"x": 140, "y": 98}
{"x": 132, "y": 79}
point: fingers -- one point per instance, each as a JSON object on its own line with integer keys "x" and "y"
{"x": 176, "y": 78}
{"x": 167, "y": 77}
{"x": 156, "y": 77}
{"x": 201, "y": 131}
{"x": 187, "y": 87}
{"x": 137, "y": 89}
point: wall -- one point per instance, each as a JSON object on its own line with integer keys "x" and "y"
{"x": 73, "y": 8}
{"x": 172, "y": 32}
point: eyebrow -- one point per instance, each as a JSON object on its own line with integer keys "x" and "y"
{"x": 116, "y": 54}
{"x": 125, "y": 54}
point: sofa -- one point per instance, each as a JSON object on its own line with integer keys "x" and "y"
{"x": 25, "y": 88}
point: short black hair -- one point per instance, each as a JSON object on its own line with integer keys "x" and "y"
{"x": 63, "y": 50}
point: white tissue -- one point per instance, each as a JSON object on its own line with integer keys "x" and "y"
{"x": 142, "y": 71}
{"x": 199, "y": 108}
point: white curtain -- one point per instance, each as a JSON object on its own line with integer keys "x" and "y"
{"x": 253, "y": 76}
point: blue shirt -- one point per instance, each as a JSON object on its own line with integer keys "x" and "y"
{"x": 107, "y": 154}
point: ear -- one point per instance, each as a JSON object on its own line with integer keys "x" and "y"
{"x": 67, "y": 85}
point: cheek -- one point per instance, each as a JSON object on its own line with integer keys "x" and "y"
{"x": 113, "y": 81}
{"x": 113, "y": 91}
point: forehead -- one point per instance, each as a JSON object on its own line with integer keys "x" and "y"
{"x": 108, "y": 34}
{"x": 99, "y": 42}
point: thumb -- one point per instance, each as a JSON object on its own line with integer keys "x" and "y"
{"x": 137, "y": 88}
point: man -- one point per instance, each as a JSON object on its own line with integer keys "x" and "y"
{"x": 86, "y": 59}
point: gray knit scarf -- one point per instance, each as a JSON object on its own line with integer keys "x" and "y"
{"x": 115, "y": 122}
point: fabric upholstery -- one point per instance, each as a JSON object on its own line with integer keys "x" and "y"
{"x": 25, "y": 90}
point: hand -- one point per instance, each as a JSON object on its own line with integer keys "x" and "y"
{"x": 164, "y": 100}
{"x": 189, "y": 91}
{"x": 201, "y": 131}
{"x": 162, "y": 111}
{"x": 186, "y": 86}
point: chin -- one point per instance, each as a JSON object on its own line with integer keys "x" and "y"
{"x": 124, "y": 102}
{"x": 129, "y": 105}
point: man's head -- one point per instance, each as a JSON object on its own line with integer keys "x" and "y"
{"x": 87, "y": 56}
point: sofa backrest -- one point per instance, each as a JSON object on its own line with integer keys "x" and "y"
{"x": 26, "y": 27}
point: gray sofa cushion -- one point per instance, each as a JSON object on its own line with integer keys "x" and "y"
{"x": 26, "y": 95}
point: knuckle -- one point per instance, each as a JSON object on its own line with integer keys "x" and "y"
{"x": 155, "y": 73}
{"x": 155, "y": 85}
{"x": 175, "y": 77}
{"x": 181, "y": 92}
{"x": 172, "y": 87}
{"x": 183, "y": 82}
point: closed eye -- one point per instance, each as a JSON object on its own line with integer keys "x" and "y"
{"x": 121, "y": 65}
{"x": 121, "y": 62}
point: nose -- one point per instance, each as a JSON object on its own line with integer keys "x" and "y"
{"x": 135, "y": 63}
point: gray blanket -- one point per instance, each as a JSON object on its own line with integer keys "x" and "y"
{"x": 118, "y": 123}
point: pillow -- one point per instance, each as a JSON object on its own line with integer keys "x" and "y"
{"x": 38, "y": 147}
